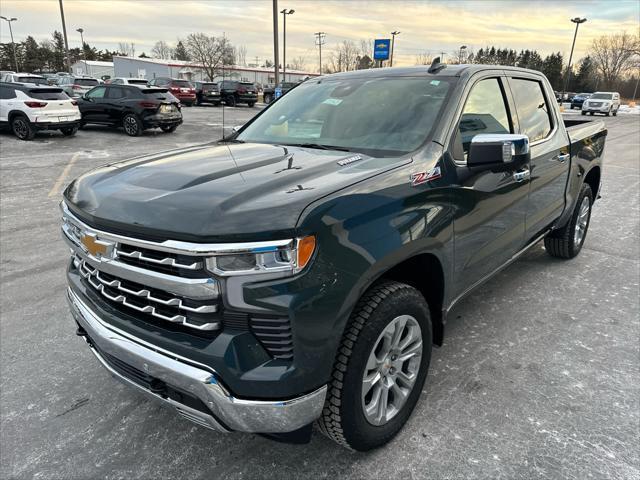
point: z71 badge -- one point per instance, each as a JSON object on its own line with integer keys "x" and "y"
{"x": 424, "y": 177}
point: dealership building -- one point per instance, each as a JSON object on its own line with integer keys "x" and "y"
{"x": 93, "y": 68}
{"x": 154, "y": 67}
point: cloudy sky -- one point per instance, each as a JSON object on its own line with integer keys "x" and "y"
{"x": 425, "y": 26}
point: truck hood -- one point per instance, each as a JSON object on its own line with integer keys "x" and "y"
{"x": 216, "y": 192}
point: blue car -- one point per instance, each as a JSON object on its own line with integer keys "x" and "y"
{"x": 578, "y": 100}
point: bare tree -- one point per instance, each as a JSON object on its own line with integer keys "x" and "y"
{"x": 345, "y": 57}
{"x": 424, "y": 58}
{"x": 298, "y": 63}
{"x": 162, "y": 50}
{"x": 211, "y": 52}
{"x": 614, "y": 55}
{"x": 127, "y": 49}
{"x": 241, "y": 55}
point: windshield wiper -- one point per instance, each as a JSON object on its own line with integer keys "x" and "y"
{"x": 318, "y": 146}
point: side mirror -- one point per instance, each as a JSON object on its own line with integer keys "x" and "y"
{"x": 236, "y": 128}
{"x": 489, "y": 149}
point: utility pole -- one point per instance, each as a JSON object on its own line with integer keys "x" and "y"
{"x": 577, "y": 21}
{"x": 66, "y": 42}
{"x": 320, "y": 36}
{"x": 442, "y": 54}
{"x": 84, "y": 54}
{"x": 276, "y": 60}
{"x": 284, "y": 13}
{"x": 13, "y": 45}
{"x": 460, "y": 58}
{"x": 393, "y": 41}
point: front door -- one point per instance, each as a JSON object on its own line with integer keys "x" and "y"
{"x": 93, "y": 108}
{"x": 490, "y": 223}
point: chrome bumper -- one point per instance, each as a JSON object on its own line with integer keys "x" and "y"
{"x": 227, "y": 412}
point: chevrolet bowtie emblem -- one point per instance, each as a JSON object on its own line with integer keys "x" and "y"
{"x": 95, "y": 247}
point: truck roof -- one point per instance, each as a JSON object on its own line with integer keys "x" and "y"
{"x": 448, "y": 71}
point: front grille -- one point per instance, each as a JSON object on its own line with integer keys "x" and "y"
{"x": 164, "y": 262}
{"x": 150, "y": 301}
{"x": 275, "y": 336}
{"x": 595, "y": 104}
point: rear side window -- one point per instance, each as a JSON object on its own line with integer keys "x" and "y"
{"x": 97, "y": 92}
{"x": 7, "y": 93}
{"x": 533, "y": 111}
{"x": 86, "y": 82}
{"x": 48, "y": 94}
{"x": 115, "y": 93}
{"x": 484, "y": 112}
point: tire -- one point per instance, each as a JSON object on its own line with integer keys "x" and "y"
{"x": 251, "y": 104}
{"x": 615, "y": 112}
{"x": 69, "y": 131}
{"x": 583, "y": 113}
{"x": 566, "y": 242}
{"x": 217, "y": 104}
{"x": 22, "y": 128}
{"x": 132, "y": 125}
{"x": 168, "y": 128}
{"x": 608, "y": 113}
{"x": 343, "y": 418}
{"x": 267, "y": 98}
{"x": 230, "y": 101}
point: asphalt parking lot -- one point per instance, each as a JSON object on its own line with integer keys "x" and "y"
{"x": 539, "y": 375}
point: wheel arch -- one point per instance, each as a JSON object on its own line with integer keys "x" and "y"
{"x": 592, "y": 178}
{"x": 14, "y": 113}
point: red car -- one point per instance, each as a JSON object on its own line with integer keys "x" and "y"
{"x": 181, "y": 89}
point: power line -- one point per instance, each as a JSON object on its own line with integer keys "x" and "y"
{"x": 320, "y": 40}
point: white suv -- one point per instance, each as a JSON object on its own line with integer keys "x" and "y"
{"x": 602, "y": 102}
{"x": 25, "y": 78}
{"x": 137, "y": 82}
{"x": 27, "y": 109}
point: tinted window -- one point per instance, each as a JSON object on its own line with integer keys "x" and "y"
{"x": 36, "y": 80}
{"x": 115, "y": 93}
{"x": 182, "y": 84}
{"x": 602, "y": 96}
{"x": 484, "y": 112}
{"x": 96, "y": 92}
{"x": 7, "y": 92}
{"x": 533, "y": 111}
{"x": 48, "y": 94}
{"x": 86, "y": 82}
{"x": 137, "y": 81}
{"x": 158, "y": 94}
{"x": 341, "y": 113}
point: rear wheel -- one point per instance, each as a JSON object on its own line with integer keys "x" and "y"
{"x": 132, "y": 125}
{"x": 230, "y": 101}
{"x": 22, "y": 128}
{"x": 584, "y": 113}
{"x": 567, "y": 241}
{"x": 251, "y": 104}
{"x": 69, "y": 131}
{"x": 168, "y": 128}
{"x": 380, "y": 367}
{"x": 267, "y": 98}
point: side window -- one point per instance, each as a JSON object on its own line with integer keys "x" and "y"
{"x": 534, "y": 113}
{"x": 7, "y": 93}
{"x": 97, "y": 92}
{"x": 485, "y": 111}
{"x": 115, "y": 93}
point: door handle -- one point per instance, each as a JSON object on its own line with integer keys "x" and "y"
{"x": 562, "y": 157}
{"x": 522, "y": 175}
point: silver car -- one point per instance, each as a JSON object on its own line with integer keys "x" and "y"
{"x": 77, "y": 86}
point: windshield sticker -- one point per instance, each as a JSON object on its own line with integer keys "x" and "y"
{"x": 333, "y": 101}
{"x": 348, "y": 160}
{"x": 435, "y": 82}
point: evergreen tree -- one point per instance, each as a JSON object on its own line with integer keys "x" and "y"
{"x": 552, "y": 68}
{"x": 586, "y": 78}
{"x": 57, "y": 52}
{"x": 181, "y": 52}
{"x": 31, "y": 56}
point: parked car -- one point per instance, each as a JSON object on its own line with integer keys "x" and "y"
{"x": 578, "y": 100}
{"x": 302, "y": 270}
{"x": 131, "y": 107}
{"x": 269, "y": 90}
{"x": 181, "y": 89}
{"x": 607, "y": 103}
{"x": 234, "y": 92}
{"x": 207, "y": 92}
{"x": 52, "y": 78}
{"x": 26, "y": 78}
{"x": 138, "y": 82}
{"x": 26, "y": 109}
{"x": 77, "y": 86}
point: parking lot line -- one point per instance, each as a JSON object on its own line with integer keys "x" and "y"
{"x": 56, "y": 187}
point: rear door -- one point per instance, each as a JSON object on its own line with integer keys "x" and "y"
{"x": 490, "y": 224}
{"x": 539, "y": 120}
{"x": 115, "y": 103}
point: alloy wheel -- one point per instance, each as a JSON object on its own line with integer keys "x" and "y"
{"x": 131, "y": 125}
{"x": 582, "y": 222}
{"x": 20, "y": 128}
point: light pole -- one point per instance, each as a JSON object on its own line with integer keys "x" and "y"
{"x": 284, "y": 13}
{"x": 66, "y": 42}
{"x": 393, "y": 42}
{"x": 320, "y": 36}
{"x": 13, "y": 45}
{"x": 577, "y": 21}
{"x": 463, "y": 47}
{"x": 276, "y": 60}
{"x": 84, "y": 54}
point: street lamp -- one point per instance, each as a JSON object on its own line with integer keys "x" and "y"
{"x": 577, "y": 21}
{"x": 393, "y": 41}
{"x": 84, "y": 54}
{"x": 284, "y": 13}
{"x": 13, "y": 45}
{"x": 463, "y": 47}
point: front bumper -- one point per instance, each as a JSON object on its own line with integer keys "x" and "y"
{"x": 599, "y": 109}
{"x": 223, "y": 412}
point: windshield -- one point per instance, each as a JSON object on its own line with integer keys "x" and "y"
{"x": 602, "y": 96}
{"x": 86, "y": 82}
{"x": 36, "y": 80}
{"x": 387, "y": 115}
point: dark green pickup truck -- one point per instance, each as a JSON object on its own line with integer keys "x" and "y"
{"x": 301, "y": 270}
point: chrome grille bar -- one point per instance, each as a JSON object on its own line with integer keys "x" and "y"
{"x": 168, "y": 261}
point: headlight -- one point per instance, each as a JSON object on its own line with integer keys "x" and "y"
{"x": 285, "y": 257}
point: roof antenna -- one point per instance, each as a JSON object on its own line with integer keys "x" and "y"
{"x": 436, "y": 66}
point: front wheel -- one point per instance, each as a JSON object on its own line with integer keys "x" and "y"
{"x": 168, "y": 128}
{"x": 380, "y": 367}
{"x": 69, "y": 131}
{"x": 567, "y": 241}
{"x": 615, "y": 112}
{"x": 132, "y": 125}
{"x": 584, "y": 113}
